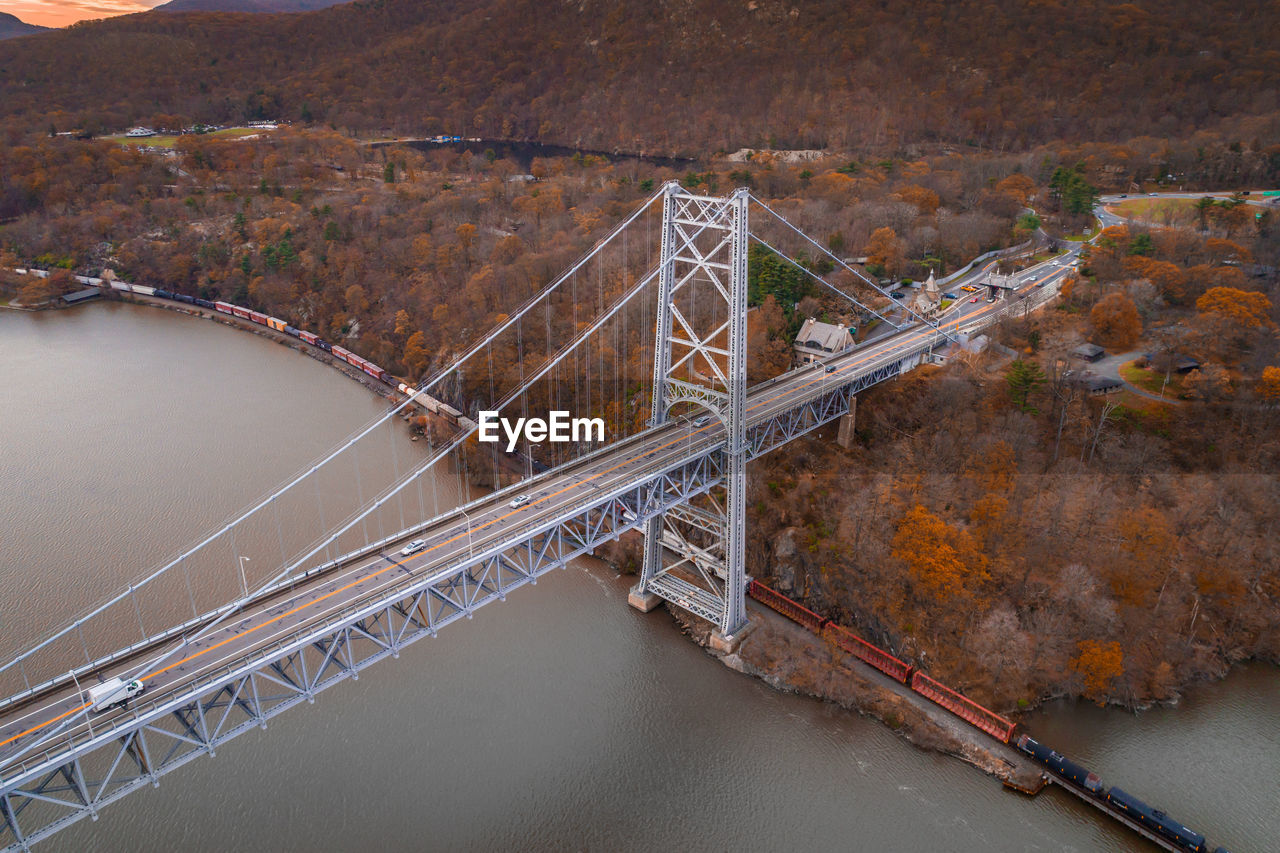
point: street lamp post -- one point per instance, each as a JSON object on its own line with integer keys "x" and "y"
{"x": 471, "y": 551}
{"x": 243, "y": 580}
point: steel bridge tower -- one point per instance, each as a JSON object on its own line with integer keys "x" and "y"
{"x": 700, "y": 357}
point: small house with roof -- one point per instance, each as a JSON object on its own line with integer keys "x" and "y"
{"x": 817, "y": 340}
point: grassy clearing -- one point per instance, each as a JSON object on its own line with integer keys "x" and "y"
{"x": 1151, "y": 380}
{"x": 167, "y": 140}
{"x": 1086, "y": 236}
{"x": 1159, "y": 211}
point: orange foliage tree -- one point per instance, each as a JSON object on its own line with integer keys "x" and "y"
{"x": 1269, "y": 384}
{"x": 943, "y": 561}
{"x": 1116, "y": 322}
{"x": 885, "y": 249}
{"x": 1246, "y": 307}
{"x": 1099, "y": 665}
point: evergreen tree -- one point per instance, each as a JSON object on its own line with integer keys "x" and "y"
{"x": 1024, "y": 377}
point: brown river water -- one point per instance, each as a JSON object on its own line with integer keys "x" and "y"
{"x": 559, "y": 719}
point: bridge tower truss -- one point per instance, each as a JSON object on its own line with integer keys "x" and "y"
{"x": 700, "y": 357}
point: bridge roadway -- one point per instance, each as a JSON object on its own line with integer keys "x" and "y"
{"x": 48, "y": 722}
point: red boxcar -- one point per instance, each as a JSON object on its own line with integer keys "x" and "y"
{"x": 867, "y": 653}
{"x": 309, "y": 337}
{"x": 963, "y": 707}
{"x": 225, "y": 307}
{"x": 242, "y": 313}
{"x": 260, "y": 319}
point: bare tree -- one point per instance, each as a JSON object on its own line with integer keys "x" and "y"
{"x": 1108, "y": 408}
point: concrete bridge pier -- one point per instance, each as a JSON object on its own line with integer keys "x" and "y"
{"x": 844, "y": 437}
{"x": 643, "y": 601}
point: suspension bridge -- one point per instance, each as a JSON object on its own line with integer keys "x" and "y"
{"x": 224, "y": 641}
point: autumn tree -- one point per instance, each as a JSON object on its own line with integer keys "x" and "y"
{"x": 885, "y": 250}
{"x": 1209, "y": 384}
{"x": 944, "y": 562}
{"x": 1098, "y": 665}
{"x": 1018, "y": 186}
{"x": 1168, "y": 278}
{"x": 1116, "y": 323}
{"x": 1249, "y": 309}
{"x": 1145, "y": 556}
{"x": 416, "y": 355}
{"x": 1269, "y": 385}
{"x": 37, "y": 292}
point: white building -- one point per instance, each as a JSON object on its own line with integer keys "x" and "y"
{"x": 137, "y": 132}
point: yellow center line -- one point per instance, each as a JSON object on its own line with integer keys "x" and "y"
{"x": 913, "y": 337}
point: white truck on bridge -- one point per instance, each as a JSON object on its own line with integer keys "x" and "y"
{"x": 114, "y": 691}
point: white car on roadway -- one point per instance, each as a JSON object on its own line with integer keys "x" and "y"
{"x": 115, "y": 691}
{"x": 519, "y": 501}
{"x": 413, "y": 547}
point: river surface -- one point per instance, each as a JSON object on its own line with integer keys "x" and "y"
{"x": 559, "y": 719}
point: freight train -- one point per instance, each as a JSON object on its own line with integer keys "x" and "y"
{"x": 1083, "y": 780}
{"x": 1127, "y": 804}
{"x": 445, "y": 411}
{"x": 281, "y": 326}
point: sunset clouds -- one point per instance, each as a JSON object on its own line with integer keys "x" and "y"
{"x": 59, "y": 13}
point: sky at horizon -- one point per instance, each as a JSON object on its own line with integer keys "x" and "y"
{"x": 60, "y": 13}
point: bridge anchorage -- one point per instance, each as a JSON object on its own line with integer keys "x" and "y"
{"x": 254, "y": 646}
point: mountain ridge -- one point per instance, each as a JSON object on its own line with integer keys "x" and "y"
{"x": 683, "y": 76}
{"x": 253, "y": 6}
{"x": 11, "y": 26}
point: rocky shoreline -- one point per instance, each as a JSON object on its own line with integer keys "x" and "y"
{"x": 791, "y": 659}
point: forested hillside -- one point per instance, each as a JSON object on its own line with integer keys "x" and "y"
{"x": 676, "y": 76}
